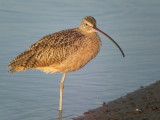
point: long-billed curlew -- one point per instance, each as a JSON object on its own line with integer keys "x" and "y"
{"x": 64, "y": 51}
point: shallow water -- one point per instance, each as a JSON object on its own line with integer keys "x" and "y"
{"x": 33, "y": 95}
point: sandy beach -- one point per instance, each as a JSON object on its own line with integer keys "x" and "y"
{"x": 142, "y": 104}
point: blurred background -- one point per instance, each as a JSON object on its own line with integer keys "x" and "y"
{"x": 34, "y": 95}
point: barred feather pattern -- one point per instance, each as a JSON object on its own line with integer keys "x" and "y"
{"x": 51, "y": 49}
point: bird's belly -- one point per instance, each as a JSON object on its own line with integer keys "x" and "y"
{"x": 75, "y": 63}
{"x": 78, "y": 60}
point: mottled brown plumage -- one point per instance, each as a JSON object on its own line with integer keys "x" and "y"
{"x": 63, "y": 51}
{"x": 54, "y": 50}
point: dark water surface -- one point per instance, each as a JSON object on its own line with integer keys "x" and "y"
{"x": 33, "y": 95}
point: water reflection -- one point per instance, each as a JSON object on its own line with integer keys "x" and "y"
{"x": 60, "y": 115}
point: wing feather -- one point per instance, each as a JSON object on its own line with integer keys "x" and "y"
{"x": 51, "y": 49}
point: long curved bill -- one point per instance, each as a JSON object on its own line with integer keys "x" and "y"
{"x": 98, "y": 30}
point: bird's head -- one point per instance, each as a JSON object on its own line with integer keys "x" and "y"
{"x": 88, "y": 25}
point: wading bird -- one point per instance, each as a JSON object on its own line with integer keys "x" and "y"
{"x": 64, "y": 51}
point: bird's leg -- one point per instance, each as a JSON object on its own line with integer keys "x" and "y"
{"x": 61, "y": 91}
{"x": 60, "y": 115}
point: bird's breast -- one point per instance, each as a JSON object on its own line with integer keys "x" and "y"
{"x": 88, "y": 50}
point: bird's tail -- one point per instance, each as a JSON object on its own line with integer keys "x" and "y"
{"x": 14, "y": 69}
{"x": 22, "y": 62}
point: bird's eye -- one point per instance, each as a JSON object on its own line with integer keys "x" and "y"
{"x": 86, "y": 24}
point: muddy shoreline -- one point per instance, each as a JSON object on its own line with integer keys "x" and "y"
{"x": 142, "y": 104}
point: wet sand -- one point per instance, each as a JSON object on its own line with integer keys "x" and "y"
{"x": 142, "y": 104}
